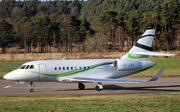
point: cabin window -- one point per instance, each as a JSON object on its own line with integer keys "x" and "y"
{"x": 31, "y": 67}
{"x": 71, "y": 68}
{"x": 27, "y": 66}
{"x": 59, "y": 68}
{"x": 63, "y": 68}
{"x": 55, "y": 68}
{"x": 67, "y": 68}
{"x": 80, "y": 68}
{"x": 84, "y": 68}
{"x": 23, "y": 66}
{"x": 88, "y": 67}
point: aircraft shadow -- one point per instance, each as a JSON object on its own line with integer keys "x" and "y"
{"x": 144, "y": 88}
{"x": 147, "y": 88}
{"x": 76, "y": 89}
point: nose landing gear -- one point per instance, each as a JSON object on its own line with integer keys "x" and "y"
{"x": 31, "y": 86}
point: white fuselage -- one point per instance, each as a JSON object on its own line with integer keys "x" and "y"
{"x": 65, "y": 70}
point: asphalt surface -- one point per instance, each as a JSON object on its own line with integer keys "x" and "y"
{"x": 163, "y": 85}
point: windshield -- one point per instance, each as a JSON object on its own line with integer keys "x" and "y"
{"x": 23, "y": 66}
{"x": 26, "y": 67}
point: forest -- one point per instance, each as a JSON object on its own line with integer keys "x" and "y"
{"x": 92, "y": 25}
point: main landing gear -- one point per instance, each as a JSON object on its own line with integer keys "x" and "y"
{"x": 31, "y": 86}
{"x": 81, "y": 86}
{"x": 98, "y": 87}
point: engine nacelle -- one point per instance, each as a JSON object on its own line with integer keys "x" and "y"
{"x": 124, "y": 65}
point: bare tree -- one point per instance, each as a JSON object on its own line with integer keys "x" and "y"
{"x": 24, "y": 36}
{"x": 16, "y": 11}
{"x": 97, "y": 43}
{"x": 120, "y": 33}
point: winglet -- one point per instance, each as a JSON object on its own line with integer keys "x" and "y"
{"x": 64, "y": 58}
{"x": 156, "y": 77}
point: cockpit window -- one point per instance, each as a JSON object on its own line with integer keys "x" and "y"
{"x": 23, "y": 66}
{"x": 27, "y": 67}
{"x": 31, "y": 67}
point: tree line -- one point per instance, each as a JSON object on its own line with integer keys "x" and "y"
{"x": 91, "y": 25}
{"x": 42, "y": 32}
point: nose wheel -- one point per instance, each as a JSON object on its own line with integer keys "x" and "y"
{"x": 31, "y": 90}
{"x": 31, "y": 85}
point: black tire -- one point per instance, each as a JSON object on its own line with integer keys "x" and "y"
{"x": 81, "y": 86}
{"x": 31, "y": 90}
{"x": 98, "y": 88}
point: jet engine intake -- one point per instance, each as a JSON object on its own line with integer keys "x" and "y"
{"x": 124, "y": 65}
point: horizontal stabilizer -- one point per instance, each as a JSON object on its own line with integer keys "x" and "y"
{"x": 153, "y": 53}
{"x": 156, "y": 77}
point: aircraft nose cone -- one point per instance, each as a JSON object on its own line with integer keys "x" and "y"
{"x": 7, "y": 77}
{"x": 4, "y": 77}
{"x": 14, "y": 76}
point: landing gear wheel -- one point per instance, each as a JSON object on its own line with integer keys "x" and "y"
{"x": 98, "y": 88}
{"x": 31, "y": 90}
{"x": 81, "y": 86}
{"x": 31, "y": 85}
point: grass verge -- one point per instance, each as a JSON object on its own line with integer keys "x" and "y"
{"x": 172, "y": 68}
{"x": 8, "y": 66}
{"x": 143, "y": 102}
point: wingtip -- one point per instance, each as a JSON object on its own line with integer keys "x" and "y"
{"x": 156, "y": 77}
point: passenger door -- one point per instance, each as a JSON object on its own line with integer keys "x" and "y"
{"x": 42, "y": 69}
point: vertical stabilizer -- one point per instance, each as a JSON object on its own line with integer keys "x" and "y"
{"x": 143, "y": 45}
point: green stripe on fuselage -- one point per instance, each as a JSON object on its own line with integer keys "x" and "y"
{"x": 70, "y": 72}
{"x": 132, "y": 57}
{"x": 143, "y": 69}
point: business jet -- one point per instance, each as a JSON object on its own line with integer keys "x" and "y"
{"x": 91, "y": 70}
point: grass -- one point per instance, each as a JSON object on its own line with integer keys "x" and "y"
{"x": 143, "y": 102}
{"x": 7, "y": 66}
{"x": 172, "y": 67}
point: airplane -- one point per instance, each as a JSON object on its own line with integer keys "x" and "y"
{"x": 91, "y": 70}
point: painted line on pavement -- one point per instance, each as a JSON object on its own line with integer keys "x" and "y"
{"x": 7, "y": 86}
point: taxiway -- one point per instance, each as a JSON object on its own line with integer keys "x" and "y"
{"x": 163, "y": 85}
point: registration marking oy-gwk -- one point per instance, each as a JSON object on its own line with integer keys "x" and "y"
{"x": 7, "y": 86}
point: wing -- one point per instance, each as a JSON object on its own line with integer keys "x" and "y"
{"x": 83, "y": 79}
